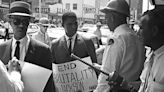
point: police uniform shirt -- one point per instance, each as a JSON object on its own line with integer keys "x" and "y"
{"x": 125, "y": 55}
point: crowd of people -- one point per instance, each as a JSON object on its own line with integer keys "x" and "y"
{"x": 127, "y": 65}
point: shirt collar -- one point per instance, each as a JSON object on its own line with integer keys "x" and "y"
{"x": 119, "y": 30}
{"x": 73, "y": 37}
{"x": 22, "y": 41}
{"x": 159, "y": 50}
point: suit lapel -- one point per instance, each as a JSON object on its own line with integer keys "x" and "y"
{"x": 30, "y": 51}
{"x": 78, "y": 39}
{"x": 64, "y": 44}
{"x": 7, "y": 53}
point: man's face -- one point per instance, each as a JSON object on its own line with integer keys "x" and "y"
{"x": 109, "y": 20}
{"x": 43, "y": 28}
{"x": 145, "y": 30}
{"x": 70, "y": 26}
{"x": 19, "y": 25}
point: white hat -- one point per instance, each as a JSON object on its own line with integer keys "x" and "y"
{"x": 44, "y": 21}
{"x": 120, "y": 6}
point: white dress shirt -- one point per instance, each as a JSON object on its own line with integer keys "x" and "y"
{"x": 24, "y": 42}
{"x": 72, "y": 41}
{"x": 156, "y": 77}
{"x": 125, "y": 55}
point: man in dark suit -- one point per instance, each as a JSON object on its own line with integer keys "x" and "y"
{"x": 80, "y": 45}
{"x": 21, "y": 45}
{"x": 72, "y": 42}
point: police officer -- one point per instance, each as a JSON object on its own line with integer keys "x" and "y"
{"x": 125, "y": 51}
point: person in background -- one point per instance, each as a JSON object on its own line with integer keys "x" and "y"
{"x": 10, "y": 80}
{"x": 81, "y": 25}
{"x": 98, "y": 32}
{"x": 151, "y": 30}
{"x": 22, "y": 46}
{"x": 125, "y": 52}
{"x": 42, "y": 35}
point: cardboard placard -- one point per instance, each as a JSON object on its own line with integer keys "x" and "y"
{"x": 74, "y": 76}
{"x": 34, "y": 77}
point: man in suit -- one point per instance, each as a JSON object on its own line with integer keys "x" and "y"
{"x": 21, "y": 45}
{"x": 72, "y": 42}
{"x": 81, "y": 46}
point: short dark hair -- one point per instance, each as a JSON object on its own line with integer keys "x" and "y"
{"x": 156, "y": 18}
{"x": 68, "y": 15}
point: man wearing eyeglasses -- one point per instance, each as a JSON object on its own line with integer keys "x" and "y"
{"x": 42, "y": 35}
{"x": 25, "y": 48}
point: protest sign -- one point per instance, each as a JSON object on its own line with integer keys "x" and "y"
{"x": 74, "y": 76}
{"x": 34, "y": 77}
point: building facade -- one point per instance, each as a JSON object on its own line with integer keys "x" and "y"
{"x": 84, "y": 9}
{"x": 4, "y": 7}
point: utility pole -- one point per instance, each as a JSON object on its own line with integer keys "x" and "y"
{"x": 82, "y": 9}
{"x": 40, "y": 9}
{"x": 130, "y": 4}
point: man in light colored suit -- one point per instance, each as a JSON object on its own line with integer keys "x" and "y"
{"x": 42, "y": 35}
{"x": 22, "y": 46}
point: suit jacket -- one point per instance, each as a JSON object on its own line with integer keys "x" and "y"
{"x": 83, "y": 47}
{"x": 37, "y": 53}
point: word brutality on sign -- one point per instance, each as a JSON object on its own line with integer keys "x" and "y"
{"x": 74, "y": 76}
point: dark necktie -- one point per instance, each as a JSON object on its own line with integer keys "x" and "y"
{"x": 70, "y": 46}
{"x": 17, "y": 52}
